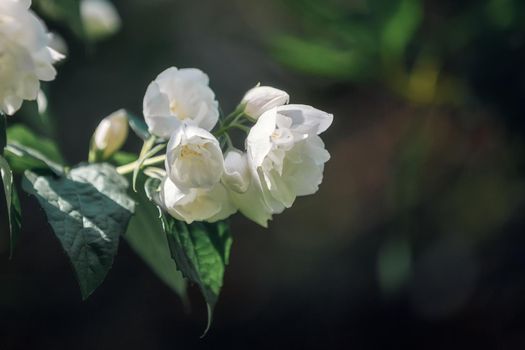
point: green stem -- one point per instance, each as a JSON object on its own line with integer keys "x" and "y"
{"x": 241, "y": 127}
{"x": 233, "y": 116}
{"x": 221, "y": 131}
{"x": 231, "y": 121}
{"x": 148, "y": 144}
{"x": 128, "y": 168}
{"x": 228, "y": 141}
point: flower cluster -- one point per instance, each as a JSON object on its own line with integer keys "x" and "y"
{"x": 209, "y": 180}
{"x": 25, "y": 55}
{"x": 205, "y": 177}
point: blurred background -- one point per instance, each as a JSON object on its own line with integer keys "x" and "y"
{"x": 415, "y": 238}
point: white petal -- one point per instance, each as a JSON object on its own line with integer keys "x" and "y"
{"x": 25, "y": 3}
{"x": 258, "y": 141}
{"x": 155, "y": 103}
{"x": 195, "y": 205}
{"x": 57, "y": 46}
{"x": 41, "y": 101}
{"x": 261, "y": 99}
{"x": 194, "y": 74}
{"x": 11, "y": 104}
{"x": 220, "y": 195}
{"x": 307, "y": 116}
{"x": 252, "y": 205}
{"x": 236, "y": 175}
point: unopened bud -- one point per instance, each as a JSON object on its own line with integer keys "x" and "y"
{"x": 261, "y": 99}
{"x": 110, "y": 134}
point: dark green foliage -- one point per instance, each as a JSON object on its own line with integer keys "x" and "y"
{"x": 88, "y": 209}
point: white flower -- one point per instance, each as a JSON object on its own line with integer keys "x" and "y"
{"x": 194, "y": 158}
{"x": 111, "y": 133}
{"x": 179, "y": 96}
{"x": 99, "y": 18}
{"x": 245, "y": 191}
{"x": 25, "y": 55}
{"x": 261, "y": 99}
{"x": 195, "y": 204}
{"x": 286, "y": 155}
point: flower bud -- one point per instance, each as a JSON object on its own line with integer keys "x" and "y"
{"x": 236, "y": 175}
{"x": 262, "y": 98}
{"x": 100, "y": 18}
{"x": 110, "y": 134}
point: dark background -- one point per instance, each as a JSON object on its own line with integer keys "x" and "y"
{"x": 415, "y": 238}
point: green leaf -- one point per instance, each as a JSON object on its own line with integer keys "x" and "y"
{"x": 138, "y": 125}
{"x": 13, "y": 205}
{"x": 88, "y": 210}
{"x": 121, "y": 158}
{"x": 66, "y": 11}
{"x": 25, "y": 158}
{"x": 21, "y": 135}
{"x": 26, "y": 150}
{"x": 320, "y": 58}
{"x": 201, "y": 251}
{"x": 401, "y": 27}
{"x": 147, "y": 238}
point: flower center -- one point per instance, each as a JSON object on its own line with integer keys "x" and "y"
{"x": 176, "y": 110}
{"x": 282, "y": 138}
{"x": 191, "y": 151}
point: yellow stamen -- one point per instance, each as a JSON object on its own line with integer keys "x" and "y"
{"x": 188, "y": 151}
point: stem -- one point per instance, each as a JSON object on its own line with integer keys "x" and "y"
{"x": 233, "y": 116}
{"x": 231, "y": 121}
{"x": 221, "y": 131}
{"x": 228, "y": 141}
{"x": 148, "y": 144}
{"x": 128, "y": 168}
{"x": 237, "y": 117}
{"x": 241, "y": 127}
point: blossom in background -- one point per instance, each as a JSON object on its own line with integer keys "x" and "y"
{"x": 99, "y": 18}
{"x": 25, "y": 55}
{"x": 195, "y": 204}
{"x": 261, "y": 99}
{"x": 194, "y": 158}
{"x": 177, "y": 97}
{"x": 111, "y": 133}
{"x": 286, "y": 155}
